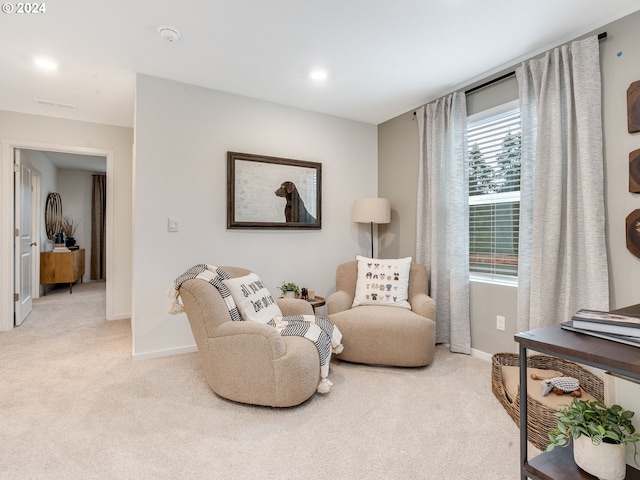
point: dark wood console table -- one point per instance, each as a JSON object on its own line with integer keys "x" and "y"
{"x": 603, "y": 354}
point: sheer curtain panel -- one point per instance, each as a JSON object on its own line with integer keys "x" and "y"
{"x": 562, "y": 254}
{"x": 442, "y": 242}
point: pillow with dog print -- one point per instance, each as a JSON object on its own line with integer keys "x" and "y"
{"x": 252, "y": 298}
{"x": 382, "y": 282}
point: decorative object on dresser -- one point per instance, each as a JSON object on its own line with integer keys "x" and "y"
{"x": 69, "y": 226}
{"x": 53, "y": 215}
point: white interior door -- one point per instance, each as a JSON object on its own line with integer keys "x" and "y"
{"x": 23, "y": 244}
{"x": 36, "y": 215}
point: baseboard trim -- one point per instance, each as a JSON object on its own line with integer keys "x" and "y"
{"x": 165, "y": 353}
{"x": 190, "y": 349}
{"x": 122, "y": 316}
{"x": 481, "y": 355}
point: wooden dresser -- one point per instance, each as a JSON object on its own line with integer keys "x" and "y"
{"x": 61, "y": 267}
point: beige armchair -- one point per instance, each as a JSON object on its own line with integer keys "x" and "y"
{"x": 384, "y": 335}
{"x": 250, "y": 362}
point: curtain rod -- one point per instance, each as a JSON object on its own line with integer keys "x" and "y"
{"x": 601, "y": 36}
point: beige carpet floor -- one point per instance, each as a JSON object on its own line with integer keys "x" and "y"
{"x": 74, "y": 405}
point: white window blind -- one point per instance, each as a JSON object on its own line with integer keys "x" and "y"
{"x": 494, "y": 194}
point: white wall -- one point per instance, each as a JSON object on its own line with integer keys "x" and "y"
{"x": 48, "y": 133}
{"x": 182, "y": 135}
{"x": 620, "y": 65}
{"x": 49, "y": 181}
{"x": 76, "y": 191}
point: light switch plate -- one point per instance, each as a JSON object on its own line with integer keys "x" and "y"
{"x": 173, "y": 224}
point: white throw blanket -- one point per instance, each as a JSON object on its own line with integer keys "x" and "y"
{"x": 317, "y": 329}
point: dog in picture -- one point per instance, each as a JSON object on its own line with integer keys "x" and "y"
{"x": 294, "y": 209}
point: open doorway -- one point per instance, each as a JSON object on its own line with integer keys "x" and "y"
{"x": 67, "y": 165}
{"x": 74, "y": 178}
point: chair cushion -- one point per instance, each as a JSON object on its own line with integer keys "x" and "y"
{"x": 385, "y": 336}
{"x": 252, "y": 298}
{"x": 382, "y": 282}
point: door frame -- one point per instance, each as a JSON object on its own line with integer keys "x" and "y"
{"x": 7, "y": 260}
{"x": 36, "y": 211}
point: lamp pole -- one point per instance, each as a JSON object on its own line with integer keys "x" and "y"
{"x": 372, "y": 240}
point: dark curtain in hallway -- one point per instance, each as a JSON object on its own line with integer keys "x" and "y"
{"x": 98, "y": 214}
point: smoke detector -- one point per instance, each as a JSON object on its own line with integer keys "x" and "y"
{"x": 170, "y": 34}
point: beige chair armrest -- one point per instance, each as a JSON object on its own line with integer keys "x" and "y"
{"x": 338, "y": 302}
{"x": 423, "y": 305}
{"x": 234, "y": 330}
{"x": 294, "y": 306}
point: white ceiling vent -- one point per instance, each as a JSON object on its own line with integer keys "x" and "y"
{"x": 51, "y": 103}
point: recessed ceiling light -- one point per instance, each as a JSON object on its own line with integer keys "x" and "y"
{"x": 318, "y": 75}
{"x": 45, "y": 63}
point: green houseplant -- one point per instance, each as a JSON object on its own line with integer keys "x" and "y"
{"x": 600, "y": 434}
{"x": 289, "y": 289}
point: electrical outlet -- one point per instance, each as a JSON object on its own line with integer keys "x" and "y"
{"x": 500, "y": 323}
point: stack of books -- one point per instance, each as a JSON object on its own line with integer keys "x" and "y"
{"x": 610, "y": 326}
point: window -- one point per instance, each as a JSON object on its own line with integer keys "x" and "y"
{"x": 494, "y": 192}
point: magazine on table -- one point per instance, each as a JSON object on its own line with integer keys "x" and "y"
{"x": 607, "y": 322}
{"x": 626, "y": 339}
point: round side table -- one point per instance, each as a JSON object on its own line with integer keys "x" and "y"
{"x": 317, "y": 302}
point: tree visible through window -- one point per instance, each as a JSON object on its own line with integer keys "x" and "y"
{"x": 494, "y": 144}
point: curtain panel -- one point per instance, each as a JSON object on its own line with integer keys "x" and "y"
{"x": 562, "y": 252}
{"x": 442, "y": 242}
{"x": 98, "y": 269}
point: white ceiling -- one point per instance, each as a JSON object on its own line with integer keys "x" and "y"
{"x": 74, "y": 161}
{"x": 383, "y": 57}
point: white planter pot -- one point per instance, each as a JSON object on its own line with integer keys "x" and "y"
{"x": 289, "y": 295}
{"x": 605, "y": 461}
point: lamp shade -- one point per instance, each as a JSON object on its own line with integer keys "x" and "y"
{"x": 371, "y": 210}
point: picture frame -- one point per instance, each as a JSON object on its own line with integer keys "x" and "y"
{"x": 266, "y": 192}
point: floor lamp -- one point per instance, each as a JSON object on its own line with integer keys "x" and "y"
{"x": 371, "y": 210}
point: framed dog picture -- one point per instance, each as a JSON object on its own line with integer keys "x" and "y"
{"x": 272, "y": 192}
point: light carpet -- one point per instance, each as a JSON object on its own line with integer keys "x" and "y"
{"x": 74, "y": 405}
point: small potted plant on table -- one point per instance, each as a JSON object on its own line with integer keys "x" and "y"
{"x": 600, "y": 435}
{"x": 289, "y": 290}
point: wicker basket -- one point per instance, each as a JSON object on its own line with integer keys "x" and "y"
{"x": 540, "y": 418}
